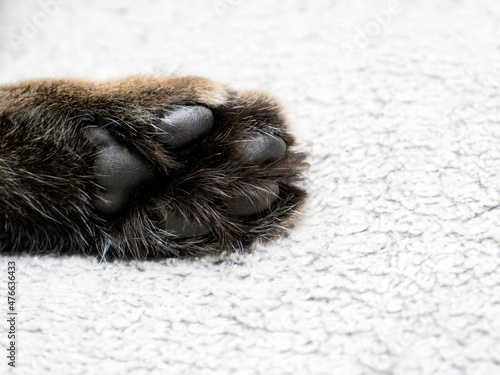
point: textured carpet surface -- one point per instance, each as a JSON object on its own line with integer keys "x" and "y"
{"x": 394, "y": 267}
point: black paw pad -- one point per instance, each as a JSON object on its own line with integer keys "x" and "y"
{"x": 259, "y": 201}
{"x": 117, "y": 170}
{"x": 262, "y": 147}
{"x": 184, "y": 228}
{"x": 184, "y": 125}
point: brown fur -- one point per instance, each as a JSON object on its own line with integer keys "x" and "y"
{"x": 47, "y": 181}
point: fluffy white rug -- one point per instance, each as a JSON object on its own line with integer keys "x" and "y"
{"x": 394, "y": 268}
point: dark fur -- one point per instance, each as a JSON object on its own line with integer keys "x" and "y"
{"x": 47, "y": 181}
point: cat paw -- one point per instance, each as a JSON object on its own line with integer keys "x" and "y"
{"x": 203, "y": 176}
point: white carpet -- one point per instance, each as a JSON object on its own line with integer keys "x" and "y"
{"x": 394, "y": 268}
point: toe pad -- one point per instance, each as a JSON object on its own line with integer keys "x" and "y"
{"x": 252, "y": 205}
{"x": 184, "y": 125}
{"x": 262, "y": 147}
